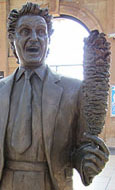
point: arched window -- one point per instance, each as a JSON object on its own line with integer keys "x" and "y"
{"x": 66, "y": 47}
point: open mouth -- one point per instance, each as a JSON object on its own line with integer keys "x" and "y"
{"x": 32, "y": 49}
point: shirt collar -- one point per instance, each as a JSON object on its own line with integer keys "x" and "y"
{"x": 21, "y": 70}
{"x": 40, "y": 71}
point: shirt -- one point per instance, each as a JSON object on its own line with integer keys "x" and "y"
{"x": 35, "y": 153}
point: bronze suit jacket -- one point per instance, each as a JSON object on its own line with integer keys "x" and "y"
{"x": 62, "y": 126}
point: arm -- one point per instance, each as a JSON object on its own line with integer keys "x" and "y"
{"x": 90, "y": 153}
{"x": 90, "y": 158}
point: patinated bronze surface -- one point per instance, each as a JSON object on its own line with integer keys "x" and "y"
{"x": 49, "y": 124}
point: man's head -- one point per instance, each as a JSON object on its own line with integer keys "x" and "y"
{"x": 29, "y": 31}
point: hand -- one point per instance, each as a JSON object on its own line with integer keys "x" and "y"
{"x": 95, "y": 157}
{"x": 90, "y": 158}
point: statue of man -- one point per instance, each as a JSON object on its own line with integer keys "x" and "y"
{"x": 42, "y": 132}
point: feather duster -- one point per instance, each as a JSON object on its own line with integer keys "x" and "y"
{"x": 95, "y": 88}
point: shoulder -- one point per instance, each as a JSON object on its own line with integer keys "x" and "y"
{"x": 70, "y": 82}
{"x": 66, "y": 82}
{"x": 3, "y": 81}
{"x": 6, "y": 79}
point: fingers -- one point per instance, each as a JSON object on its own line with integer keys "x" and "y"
{"x": 90, "y": 171}
{"x": 87, "y": 177}
{"x": 95, "y": 151}
{"x": 94, "y": 156}
{"x": 98, "y": 142}
{"x": 93, "y": 159}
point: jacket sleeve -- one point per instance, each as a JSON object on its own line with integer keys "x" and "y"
{"x": 84, "y": 147}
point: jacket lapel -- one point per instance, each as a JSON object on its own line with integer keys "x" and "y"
{"x": 51, "y": 97}
{"x": 5, "y": 93}
{"x": 50, "y": 103}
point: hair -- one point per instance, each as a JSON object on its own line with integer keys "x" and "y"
{"x": 27, "y": 9}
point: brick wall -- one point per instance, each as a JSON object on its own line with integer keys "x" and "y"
{"x": 94, "y": 14}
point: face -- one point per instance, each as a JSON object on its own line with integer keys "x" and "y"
{"x": 31, "y": 40}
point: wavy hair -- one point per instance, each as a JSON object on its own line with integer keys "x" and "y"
{"x": 27, "y": 9}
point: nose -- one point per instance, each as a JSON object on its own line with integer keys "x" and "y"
{"x": 34, "y": 36}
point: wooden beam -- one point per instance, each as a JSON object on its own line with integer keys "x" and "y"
{"x": 54, "y": 7}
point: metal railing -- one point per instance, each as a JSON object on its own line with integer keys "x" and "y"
{"x": 64, "y": 65}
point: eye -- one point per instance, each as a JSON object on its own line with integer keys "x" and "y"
{"x": 41, "y": 32}
{"x": 25, "y": 31}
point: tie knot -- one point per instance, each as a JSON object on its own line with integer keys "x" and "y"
{"x": 28, "y": 74}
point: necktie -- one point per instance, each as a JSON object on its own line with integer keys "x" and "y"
{"x": 22, "y": 129}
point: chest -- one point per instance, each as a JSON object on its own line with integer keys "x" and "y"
{"x": 36, "y": 150}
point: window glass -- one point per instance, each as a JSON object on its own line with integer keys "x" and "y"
{"x": 66, "y": 47}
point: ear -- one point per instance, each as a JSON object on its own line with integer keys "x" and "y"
{"x": 49, "y": 40}
{"x": 13, "y": 48}
{"x": 12, "y": 45}
{"x": 11, "y": 37}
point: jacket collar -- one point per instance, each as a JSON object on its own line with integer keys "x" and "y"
{"x": 40, "y": 71}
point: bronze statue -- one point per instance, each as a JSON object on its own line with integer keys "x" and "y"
{"x": 47, "y": 121}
